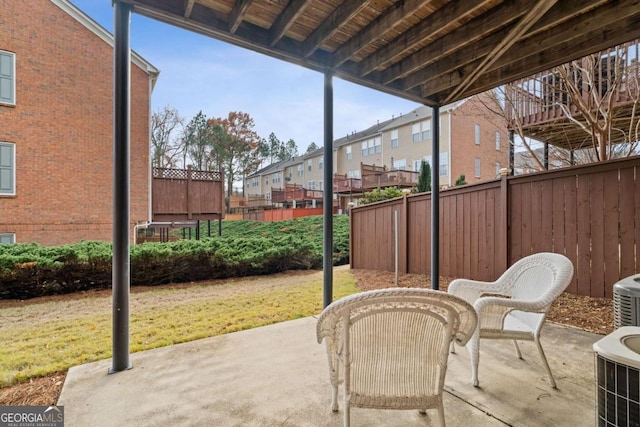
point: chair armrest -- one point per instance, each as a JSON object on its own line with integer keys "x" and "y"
{"x": 531, "y": 306}
{"x": 471, "y": 290}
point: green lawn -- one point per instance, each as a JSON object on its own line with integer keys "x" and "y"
{"x": 39, "y": 339}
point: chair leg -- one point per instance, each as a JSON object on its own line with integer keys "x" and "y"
{"x": 334, "y": 397}
{"x": 552, "y": 381}
{"x": 347, "y": 414}
{"x": 515, "y": 343}
{"x": 453, "y": 348}
{"x": 474, "y": 354}
{"x": 441, "y": 421}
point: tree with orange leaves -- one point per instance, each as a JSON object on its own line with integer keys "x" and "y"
{"x": 236, "y": 150}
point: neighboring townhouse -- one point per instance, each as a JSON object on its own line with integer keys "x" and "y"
{"x": 56, "y": 125}
{"x": 473, "y": 142}
{"x": 478, "y": 144}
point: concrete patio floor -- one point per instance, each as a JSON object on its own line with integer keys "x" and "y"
{"x": 278, "y": 376}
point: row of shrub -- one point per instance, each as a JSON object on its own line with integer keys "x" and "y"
{"x": 245, "y": 248}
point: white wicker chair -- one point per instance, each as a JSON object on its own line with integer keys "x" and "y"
{"x": 517, "y": 304}
{"x": 393, "y": 345}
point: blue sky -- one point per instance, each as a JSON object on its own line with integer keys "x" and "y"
{"x": 201, "y": 73}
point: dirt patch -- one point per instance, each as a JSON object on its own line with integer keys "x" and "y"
{"x": 589, "y": 314}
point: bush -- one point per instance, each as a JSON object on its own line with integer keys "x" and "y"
{"x": 379, "y": 195}
{"x": 245, "y": 248}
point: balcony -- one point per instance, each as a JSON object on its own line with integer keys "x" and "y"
{"x": 401, "y": 179}
{"x": 539, "y": 104}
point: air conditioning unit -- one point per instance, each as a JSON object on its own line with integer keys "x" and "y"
{"x": 617, "y": 370}
{"x": 626, "y": 302}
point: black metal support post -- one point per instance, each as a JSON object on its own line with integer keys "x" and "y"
{"x": 545, "y": 162}
{"x": 220, "y": 226}
{"x": 208, "y": 228}
{"x": 327, "y": 198}
{"x": 512, "y": 151}
{"x": 121, "y": 154}
{"x": 198, "y": 230}
{"x": 571, "y": 158}
{"x": 435, "y": 200}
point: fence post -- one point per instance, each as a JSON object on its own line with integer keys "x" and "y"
{"x": 503, "y": 231}
{"x": 189, "y": 215}
{"x": 404, "y": 236}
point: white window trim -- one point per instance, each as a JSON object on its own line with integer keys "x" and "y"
{"x": 13, "y": 171}
{"x": 14, "y": 79}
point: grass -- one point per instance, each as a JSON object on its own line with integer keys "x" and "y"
{"x": 41, "y": 339}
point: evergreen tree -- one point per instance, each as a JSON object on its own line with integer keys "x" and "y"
{"x": 424, "y": 180}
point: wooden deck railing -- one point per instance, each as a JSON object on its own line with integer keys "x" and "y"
{"x": 537, "y": 100}
{"x": 389, "y": 179}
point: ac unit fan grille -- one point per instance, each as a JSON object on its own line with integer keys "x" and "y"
{"x": 626, "y": 307}
{"x": 618, "y": 394}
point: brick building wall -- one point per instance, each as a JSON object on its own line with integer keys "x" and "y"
{"x": 464, "y": 150}
{"x": 62, "y": 128}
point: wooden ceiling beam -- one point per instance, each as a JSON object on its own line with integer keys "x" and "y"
{"x": 188, "y": 7}
{"x": 427, "y": 28}
{"x": 474, "y": 32}
{"x": 376, "y": 29}
{"x": 469, "y": 54}
{"x": 501, "y": 48}
{"x": 580, "y": 43}
{"x": 284, "y": 21}
{"x": 592, "y": 42}
{"x": 443, "y": 64}
{"x": 237, "y": 14}
{"x": 570, "y": 32}
{"x": 343, "y": 13}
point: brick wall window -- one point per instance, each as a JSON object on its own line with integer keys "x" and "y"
{"x": 7, "y": 78}
{"x": 477, "y": 134}
{"x": 477, "y": 167}
{"x": 497, "y": 141}
{"x": 7, "y": 169}
{"x": 7, "y": 238}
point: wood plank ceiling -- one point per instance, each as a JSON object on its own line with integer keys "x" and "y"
{"x": 430, "y": 51}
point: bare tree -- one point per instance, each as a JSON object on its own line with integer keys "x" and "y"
{"x": 592, "y": 85}
{"x": 166, "y": 126}
{"x": 590, "y": 106}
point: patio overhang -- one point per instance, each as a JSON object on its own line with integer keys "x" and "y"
{"x": 429, "y": 51}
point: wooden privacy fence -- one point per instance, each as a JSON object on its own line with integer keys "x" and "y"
{"x": 589, "y": 213}
{"x": 186, "y": 194}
